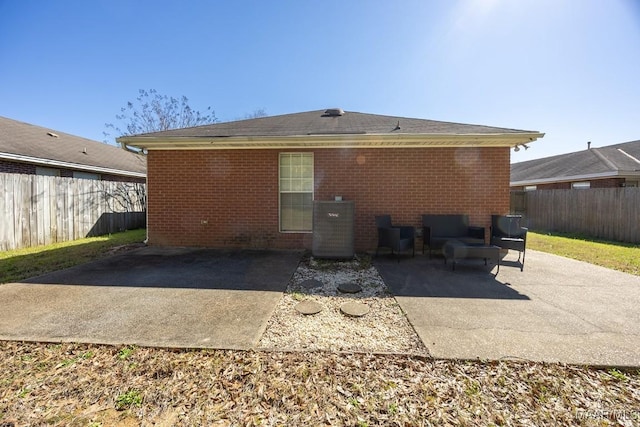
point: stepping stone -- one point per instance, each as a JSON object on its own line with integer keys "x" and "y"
{"x": 349, "y": 288}
{"x": 308, "y": 307}
{"x": 311, "y": 284}
{"x": 354, "y": 309}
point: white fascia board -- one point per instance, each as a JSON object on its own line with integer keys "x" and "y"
{"x": 68, "y": 165}
{"x": 331, "y": 141}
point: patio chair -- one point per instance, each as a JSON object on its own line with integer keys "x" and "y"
{"x": 398, "y": 238}
{"x": 507, "y": 233}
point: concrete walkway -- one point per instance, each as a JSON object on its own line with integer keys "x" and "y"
{"x": 556, "y": 310}
{"x": 152, "y": 297}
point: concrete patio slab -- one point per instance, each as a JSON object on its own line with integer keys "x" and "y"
{"x": 152, "y": 297}
{"x": 556, "y": 310}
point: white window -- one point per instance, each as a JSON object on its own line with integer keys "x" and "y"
{"x": 86, "y": 175}
{"x": 530, "y": 187}
{"x": 47, "y": 171}
{"x": 296, "y": 192}
{"x": 581, "y": 185}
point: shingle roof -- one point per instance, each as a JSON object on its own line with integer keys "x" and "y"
{"x": 319, "y": 123}
{"x": 612, "y": 160}
{"x": 318, "y": 129}
{"x": 35, "y": 144}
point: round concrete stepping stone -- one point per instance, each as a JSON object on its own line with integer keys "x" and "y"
{"x": 311, "y": 284}
{"x": 308, "y": 307}
{"x": 349, "y": 288}
{"x": 354, "y": 309}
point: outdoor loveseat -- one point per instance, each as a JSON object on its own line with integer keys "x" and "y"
{"x": 439, "y": 229}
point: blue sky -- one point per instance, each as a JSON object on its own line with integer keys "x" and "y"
{"x": 569, "y": 68}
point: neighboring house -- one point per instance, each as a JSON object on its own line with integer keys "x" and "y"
{"x": 611, "y": 166}
{"x": 252, "y": 183}
{"x": 34, "y": 150}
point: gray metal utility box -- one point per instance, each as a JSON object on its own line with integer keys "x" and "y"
{"x": 333, "y": 229}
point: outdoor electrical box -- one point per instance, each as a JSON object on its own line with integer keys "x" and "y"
{"x": 333, "y": 229}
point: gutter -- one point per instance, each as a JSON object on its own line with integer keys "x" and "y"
{"x": 69, "y": 165}
{"x": 330, "y": 141}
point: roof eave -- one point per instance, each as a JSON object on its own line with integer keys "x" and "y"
{"x": 331, "y": 141}
{"x": 69, "y": 165}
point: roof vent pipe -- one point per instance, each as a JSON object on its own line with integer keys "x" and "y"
{"x": 334, "y": 112}
{"x": 588, "y": 145}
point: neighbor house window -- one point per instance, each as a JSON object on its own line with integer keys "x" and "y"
{"x": 47, "y": 171}
{"x": 581, "y": 185}
{"x": 296, "y": 192}
{"x": 86, "y": 175}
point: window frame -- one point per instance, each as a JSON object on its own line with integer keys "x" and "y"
{"x": 291, "y": 155}
{"x": 581, "y": 185}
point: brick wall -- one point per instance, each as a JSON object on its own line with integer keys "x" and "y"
{"x": 16, "y": 167}
{"x": 230, "y": 198}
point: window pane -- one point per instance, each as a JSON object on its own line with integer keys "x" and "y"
{"x": 296, "y": 191}
{"x": 296, "y": 211}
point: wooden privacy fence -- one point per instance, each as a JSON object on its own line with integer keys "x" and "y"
{"x": 606, "y": 213}
{"x": 39, "y": 210}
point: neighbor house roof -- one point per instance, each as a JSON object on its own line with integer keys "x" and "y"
{"x": 24, "y": 142}
{"x": 331, "y": 128}
{"x": 605, "y": 162}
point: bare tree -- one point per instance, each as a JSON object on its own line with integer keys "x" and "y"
{"x": 153, "y": 112}
{"x": 260, "y": 112}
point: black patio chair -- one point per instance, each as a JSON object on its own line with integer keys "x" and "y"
{"x": 398, "y": 238}
{"x": 507, "y": 233}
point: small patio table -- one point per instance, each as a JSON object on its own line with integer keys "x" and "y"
{"x": 456, "y": 250}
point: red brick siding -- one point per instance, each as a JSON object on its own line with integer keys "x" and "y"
{"x": 119, "y": 178}
{"x": 236, "y": 191}
{"x": 16, "y": 167}
{"x": 607, "y": 183}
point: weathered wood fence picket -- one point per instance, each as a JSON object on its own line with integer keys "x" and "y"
{"x": 39, "y": 210}
{"x": 606, "y": 213}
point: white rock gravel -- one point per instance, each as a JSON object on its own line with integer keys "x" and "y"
{"x": 384, "y": 329}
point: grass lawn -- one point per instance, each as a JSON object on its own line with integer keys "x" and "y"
{"x": 21, "y": 264}
{"x": 617, "y": 256}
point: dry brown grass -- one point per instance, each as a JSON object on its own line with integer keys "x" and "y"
{"x": 81, "y": 384}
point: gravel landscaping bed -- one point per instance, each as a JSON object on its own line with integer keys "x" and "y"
{"x": 383, "y": 329}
